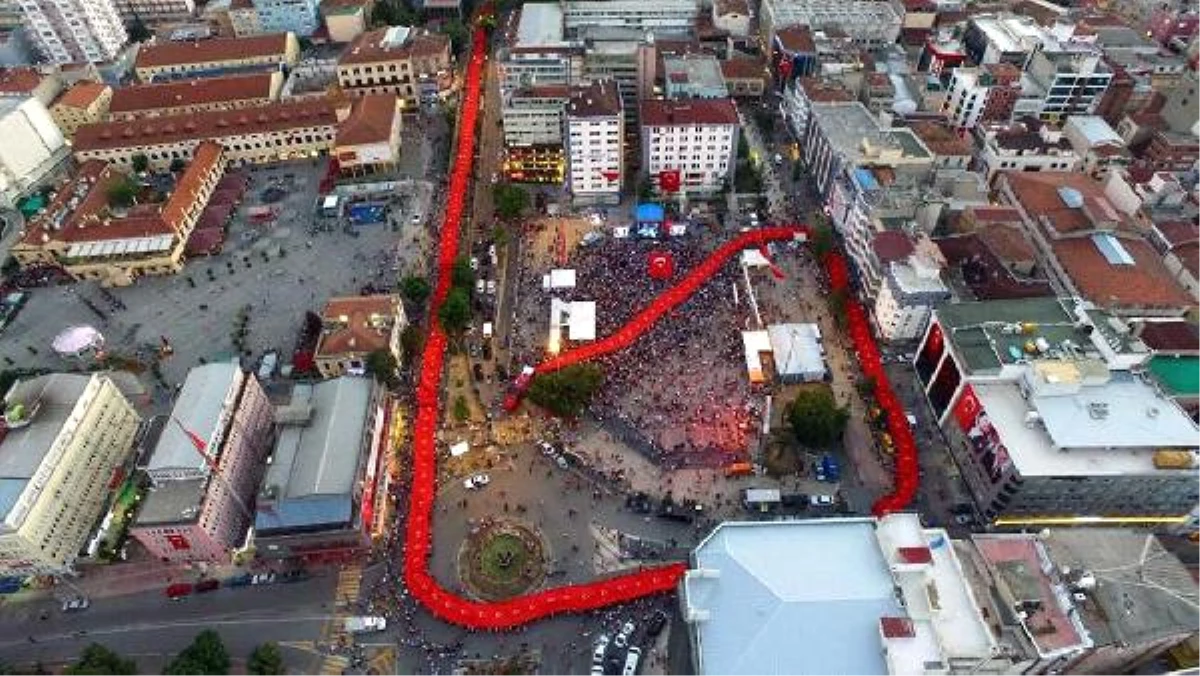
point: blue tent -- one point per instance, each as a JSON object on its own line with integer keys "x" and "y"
{"x": 650, "y": 213}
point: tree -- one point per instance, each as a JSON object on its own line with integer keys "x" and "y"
{"x": 567, "y": 391}
{"x": 815, "y": 417}
{"x": 411, "y": 340}
{"x": 97, "y": 659}
{"x": 461, "y": 275}
{"x": 122, "y": 195}
{"x": 415, "y": 289}
{"x": 462, "y": 411}
{"x": 455, "y": 312}
{"x": 382, "y": 365}
{"x": 137, "y": 31}
{"x": 266, "y": 659}
{"x": 383, "y": 14}
{"x": 177, "y": 165}
{"x": 500, "y": 236}
{"x": 488, "y": 22}
{"x": 511, "y": 201}
{"x": 140, "y": 162}
{"x": 457, "y": 33}
{"x": 206, "y": 655}
{"x": 645, "y": 189}
{"x": 822, "y": 241}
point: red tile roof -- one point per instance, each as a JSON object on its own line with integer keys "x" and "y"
{"x": 188, "y": 93}
{"x": 987, "y": 277}
{"x": 1008, "y": 243}
{"x": 19, "y": 80}
{"x": 370, "y": 121}
{"x": 695, "y": 112}
{"x": 1173, "y": 336}
{"x": 1176, "y": 233}
{"x": 213, "y": 50}
{"x": 890, "y": 246}
{"x": 940, "y": 138}
{"x": 1039, "y": 194}
{"x": 214, "y": 124}
{"x": 207, "y": 156}
{"x": 796, "y": 38}
{"x": 370, "y": 48}
{"x": 82, "y": 95}
{"x": 357, "y": 333}
{"x": 742, "y": 68}
{"x": 1146, "y": 283}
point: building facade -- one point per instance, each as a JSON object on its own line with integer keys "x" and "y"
{"x": 533, "y": 120}
{"x": 595, "y": 135}
{"x": 907, "y": 296}
{"x": 216, "y": 56}
{"x": 270, "y": 133}
{"x": 368, "y": 140}
{"x": 690, "y": 145}
{"x": 411, "y": 63}
{"x": 206, "y": 467}
{"x": 288, "y": 16}
{"x": 1074, "y": 80}
{"x": 982, "y": 95}
{"x": 868, "y": 24}
{"x": 353, "y": 327}
{"x": 84, "y": 103}
{"x": 34, "y": 147}
{"x": 156, "y": 11}
{"x": 66, "y": 436}
{"x": 71, "y": 31}
{"x": 88, "y": 238}
{"x": 666, "y": 16}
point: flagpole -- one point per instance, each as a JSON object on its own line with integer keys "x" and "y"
{"x": 201, "y": 447}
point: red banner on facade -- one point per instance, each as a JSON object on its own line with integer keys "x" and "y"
{"x": 669, "y": 180}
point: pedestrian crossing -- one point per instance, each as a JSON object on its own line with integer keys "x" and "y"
{"x": 349, "y": 582}
{"x": 334, "y": 665}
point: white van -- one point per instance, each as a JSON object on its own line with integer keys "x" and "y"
{"x": 631, "y": 661}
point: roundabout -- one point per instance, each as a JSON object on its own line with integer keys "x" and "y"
{"x": 501, "y": 559}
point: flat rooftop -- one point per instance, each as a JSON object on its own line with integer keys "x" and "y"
{"x": 207, "y": 391}
{"x": 316, "y": 459}
{"x": 783, "y": 589}
{"x": 170, "y": 502}
{"x": 848, "y": 125}
{"x": 1121, "y": 444}
{"x": 541, "y": 25}
{"x": 50, "y": 398}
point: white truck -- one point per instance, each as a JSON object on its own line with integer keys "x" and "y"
{"x": 365, "y": 624}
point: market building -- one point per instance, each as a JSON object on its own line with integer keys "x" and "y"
{"x": 216, "y": 56}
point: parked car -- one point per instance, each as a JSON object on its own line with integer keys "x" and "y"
{"x": 624, "y": 635}
{"x": 546, "y": 448}
{"x": 598, "y": 652}
{"x": 178, "y": 590}
{"x": 262, "y": 578}
{"x": 208, "y": 585}
{"x": 474, "y": 263}
{"x": 476, "y": 481}
{"x": 75, "y": 605}
{"x": 239, "y": 580}
{"x": 631, "y": 661}
{"x": 821, "y": 500}
{"x": 491, "y": 287}
{"x": 479, "y": 285}
{"x": 415, "y": 219}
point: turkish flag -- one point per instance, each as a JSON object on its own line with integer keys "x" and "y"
{"x": 967, "y": 410}
{"x": 178, "y": 542}
{"x": 669, "y": 180}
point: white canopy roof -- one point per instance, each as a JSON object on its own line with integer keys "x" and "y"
{"x": 77, "y": 339}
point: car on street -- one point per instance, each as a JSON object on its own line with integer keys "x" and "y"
{"x": 415, "y": 219}
{"x": 547, "y": 449}
{"x": 208, "y": 585}
{"x": 178, "y": 590}
{"x": 476, "y": 481}
{"x": 624, "y": 635}
{"x": 561, "y": 461}
{"x": 491, "y": 287}
{"x": 598, "y": 652}
{"x": 821, "y": 500}
{"x": 474, "y": 263}
{"x": 655, "y": 623}
{"x": 492, "y": 253}
{"x": 262, "y": 578}
{"x": 631, "y": 661}
{"x": 479, "y": 287}
{"x": 75, "y": 605}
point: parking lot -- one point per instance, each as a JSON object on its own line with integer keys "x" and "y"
{"x": 279, "y": 269}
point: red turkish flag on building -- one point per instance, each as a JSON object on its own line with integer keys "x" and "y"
{"x": 200, "y": 444}
{"x": 967, "y": 409}
{"x": 669, "y": 180}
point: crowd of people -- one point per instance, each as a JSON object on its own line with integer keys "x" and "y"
{"x": 678, "y": 387}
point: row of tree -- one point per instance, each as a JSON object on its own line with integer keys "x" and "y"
{"x": 205, "y": 655}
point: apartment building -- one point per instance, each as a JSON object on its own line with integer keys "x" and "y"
{"x": 982, "y": 95}
{"x": 1047, "y": 421}
{"x": 81, "y": 233}
{"x": 665, "y": 16}
{"x": 844, "y": 136}
{"x": 801, "y": 93}
{"x": 325, "y": 491}
{"x": 533, "y": 120}
{"x": 253, "y": 135}
{"x": 368, "y": 139}
{"x": 206, "y": 467}
{"x": 216, "y": 56}
{"x": 243, "y": 18}
{"x": 411, "y": 63}
{"x": 909, "y": 292}
{"x": 1090, "y": 249}
{"x": 693, "y": 76}
{"x": 595, "y": 135}
{"x": 1003, "y": 38}
{"x": 1025, "y": 145}
{"x": 745, "y": 77}
{"x": 73, "y": 31}
{"x": 1074, "y": 77}
{"x": 33, "y": 148}
{"x": 866, "y": 22}
{"x": 156, "y": 11}
{"x": 67, "y": 437}
{"x": 353, "y": 327}
{"x": 178, "y": 97}
{"x": 537, "y": 53}
{"x": 690, "y": 145}
{"x": 288, "y": 16}
{"x": 83, "y": 103}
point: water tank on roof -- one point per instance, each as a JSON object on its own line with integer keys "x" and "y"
{"x": 1071, "y": 197}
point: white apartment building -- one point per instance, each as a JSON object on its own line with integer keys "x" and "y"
{"x": 33, "y": 147}
{"x": 678, "y": 16}
{"x": 67, "y": 437}
{"x": 534, "y": 116}
{"x": 595, "y": 136}
{"x": 692, "y": 143}
{"x": 1074, "y": 78}
{"x": 907, "y": 296}
{"x": 1024, "y": 146}
{"x": 71, "y": 31}
{"x": 867, "y": 22}
{"x": 153, "y": 11}
{"x": 981, "y": 95}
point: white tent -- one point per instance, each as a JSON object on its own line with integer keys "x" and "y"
{"x": 582, "y": 322}
{"x": 77, "y": 340}
{"x": 559, "y": 279}
{"x": 460, "y": 448}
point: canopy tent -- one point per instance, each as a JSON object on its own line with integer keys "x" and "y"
{"x": 76, "y": 340}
